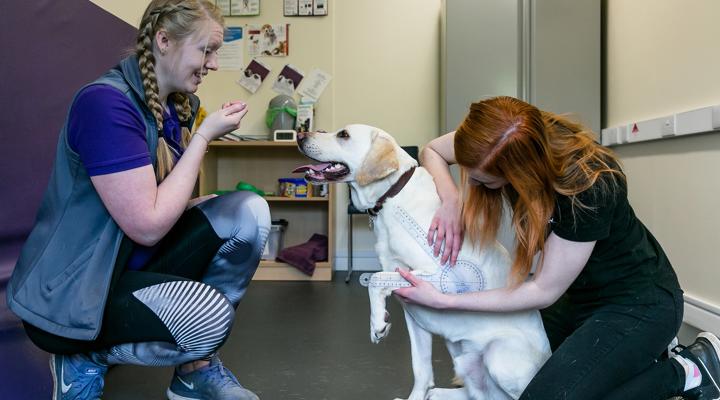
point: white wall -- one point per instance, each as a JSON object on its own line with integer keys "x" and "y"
{"x": 384, "y": 58}
{"x": 662, "y": 57}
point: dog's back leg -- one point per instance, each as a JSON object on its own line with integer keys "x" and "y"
{"x": 421, "y": 351}
{"x": 512, "y": 361}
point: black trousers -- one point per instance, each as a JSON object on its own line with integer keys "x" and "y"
{"x": 183, "y": 254}
{"x": 610, "y": 351}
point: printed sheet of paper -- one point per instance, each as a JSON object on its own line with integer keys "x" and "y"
{"x": 268, "y": 40}
{"x": 253, "y": 75}
{"x": 224, "y": 6}
{"x": 288, "y": 80}
{"x": 305, "y": 7}
{"x": 230, "y": 55}
{"x": 290, "y": 8}
{"x": 314, "y": 84}
{"x": 245, "y": 7}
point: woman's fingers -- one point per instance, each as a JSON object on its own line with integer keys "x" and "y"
{"x": 447, "y": 251}
{"x": 457, "y": 244}
{"x": 407, "y": 275}
{"x": 232, "y": 102}
{"x": 432, "y": 231}
{"x": 234, "y": 108}
{"x": 439, "y": 239}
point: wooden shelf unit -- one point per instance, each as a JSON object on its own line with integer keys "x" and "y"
{"x": 262, "y": 163}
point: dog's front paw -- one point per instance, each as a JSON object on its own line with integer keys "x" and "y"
{"x": 376, "y": 335}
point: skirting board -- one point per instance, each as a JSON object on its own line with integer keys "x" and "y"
{"x": 362, "y": 261}
{"x": 702, "y": 315}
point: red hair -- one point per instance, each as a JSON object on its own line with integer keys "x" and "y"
{"x": 540, "y": 154}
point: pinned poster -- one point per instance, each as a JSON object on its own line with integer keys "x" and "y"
{"x": 230, "y": 8}
{"x": 230, "y": 55}
{"x": 305, "y": 8}
{"x": 314, "y": 85}
{"x": 253, "y": 75}
{"x": 245, "y": 7}
{"x": 288, "y": 80}
{"x": 268, "y": 40}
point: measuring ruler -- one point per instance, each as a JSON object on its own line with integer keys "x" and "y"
{"x": 462, "y": 278}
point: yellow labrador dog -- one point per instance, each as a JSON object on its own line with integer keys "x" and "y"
{"x": 496, "y": 355}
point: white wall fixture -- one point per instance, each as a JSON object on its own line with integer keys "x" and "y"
{"x": 701, "y": 120}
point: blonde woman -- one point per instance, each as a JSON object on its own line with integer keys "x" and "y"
{"x": 122, "y": 266}
{"x": 610, "y": 300}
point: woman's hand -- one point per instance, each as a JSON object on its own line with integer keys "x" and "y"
{"x": 446, "y": 226}
{"x": 421, "y": 292}
{"x": 223, "y": 121}
{"x": 193, "y": 202}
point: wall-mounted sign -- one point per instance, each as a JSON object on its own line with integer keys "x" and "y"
{"x": 305, "y": 8}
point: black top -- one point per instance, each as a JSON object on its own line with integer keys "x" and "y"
{"x": 627, "y": 261}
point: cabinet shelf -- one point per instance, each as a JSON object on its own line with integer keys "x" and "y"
{"x": 261, "y": 163}
{"x": 279, "y": 271}
{"x": 251, "y": 143}
{"x": 295, "y": 199}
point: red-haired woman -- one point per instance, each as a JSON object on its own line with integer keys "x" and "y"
{"x": 610, "y": 300}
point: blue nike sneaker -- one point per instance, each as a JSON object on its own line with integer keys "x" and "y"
{"x": 214, "y": 382}
{"x": 77, "y": 377}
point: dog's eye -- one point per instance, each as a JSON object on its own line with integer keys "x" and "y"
{"x": 343, "y": 134}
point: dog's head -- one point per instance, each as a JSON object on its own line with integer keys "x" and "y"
{"x": 269, "y": 33}
{"x": 356, "y": 153}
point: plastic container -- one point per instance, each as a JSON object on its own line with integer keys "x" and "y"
{"x": 293, "y": 187}
{"x": 275, "y": 239}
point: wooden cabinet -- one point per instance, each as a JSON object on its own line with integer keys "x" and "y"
{"x": 262, "y": 163}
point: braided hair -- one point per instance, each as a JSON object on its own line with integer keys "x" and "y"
{"x": 179, "y": 18}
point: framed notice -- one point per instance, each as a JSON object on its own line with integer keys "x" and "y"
{"x": 238, "y": 8}
{"x": 305, "y": 8}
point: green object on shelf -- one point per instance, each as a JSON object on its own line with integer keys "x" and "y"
{"x": 246, "y": 186}
{"x": 222, "y": 192}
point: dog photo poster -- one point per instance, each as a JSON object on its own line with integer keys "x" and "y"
{"x": 288, "y": 80}
{"x": 254, "y": 75}
{"x": 268, "y": 40}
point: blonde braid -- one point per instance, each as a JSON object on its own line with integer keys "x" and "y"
{"x": 184, "y": 112}
{"x": 146, "y": 61}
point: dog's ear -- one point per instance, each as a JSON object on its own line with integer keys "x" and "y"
{"x": 380, "y": 161}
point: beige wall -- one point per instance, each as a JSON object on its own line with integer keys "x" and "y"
{"x": 384, "y": 59}
{"x": 663, "y": 57}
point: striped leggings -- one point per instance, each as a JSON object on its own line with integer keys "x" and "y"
{"x": 181, "y": 305}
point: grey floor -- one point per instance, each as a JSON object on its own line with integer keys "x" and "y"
{"x": 302, "y": 340}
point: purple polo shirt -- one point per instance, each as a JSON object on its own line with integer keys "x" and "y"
{"x": 108, "y": 133}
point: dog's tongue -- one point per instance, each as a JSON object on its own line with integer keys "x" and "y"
{"x": 316, "y": 167}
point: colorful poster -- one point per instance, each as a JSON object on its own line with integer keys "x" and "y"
{"x": 288, "y": 80}
{"x": 230, "y": 55}
{"x": 254, "y": 75}
{"x": 268, "y": 40}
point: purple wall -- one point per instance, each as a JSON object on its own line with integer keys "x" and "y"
{"x": 50, "y": 49}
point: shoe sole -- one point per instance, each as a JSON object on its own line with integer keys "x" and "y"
{"x": 715, "y": 342}
{"x": 54, "y": 376}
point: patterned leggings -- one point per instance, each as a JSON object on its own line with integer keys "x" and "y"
{"x": 181, "y": 305}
